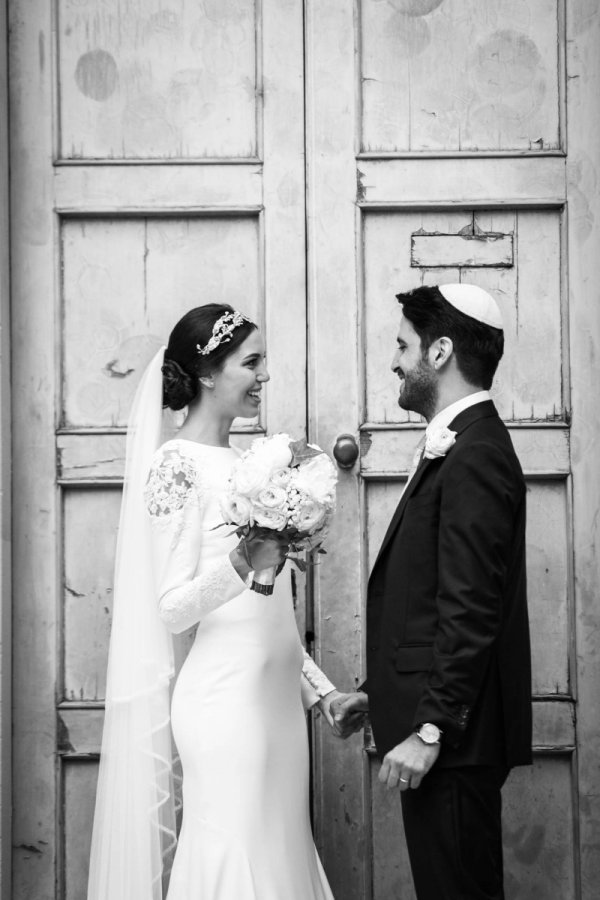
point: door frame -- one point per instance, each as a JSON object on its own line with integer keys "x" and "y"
{"x": 583, "y": 229}
{"x": 5, "y": 479}
{"x": 568, "y": 182}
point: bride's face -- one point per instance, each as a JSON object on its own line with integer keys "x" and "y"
{"x": 238, "y": 385}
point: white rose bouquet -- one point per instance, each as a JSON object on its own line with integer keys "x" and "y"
{"x": 284, "y": 485}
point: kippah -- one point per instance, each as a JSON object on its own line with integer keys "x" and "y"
{"x": 474, "y": 302}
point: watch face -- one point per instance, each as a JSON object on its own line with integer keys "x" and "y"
{"x": 429, "y": 733}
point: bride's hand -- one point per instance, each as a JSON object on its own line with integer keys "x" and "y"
{"x": 261, "y": 549}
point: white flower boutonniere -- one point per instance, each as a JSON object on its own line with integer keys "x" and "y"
{"x": 438, "y": 442}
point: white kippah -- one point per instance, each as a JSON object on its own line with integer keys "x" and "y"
{"x": 473, "y": 301}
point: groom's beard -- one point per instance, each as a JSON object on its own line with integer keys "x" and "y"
{"x": 419, "y": 392}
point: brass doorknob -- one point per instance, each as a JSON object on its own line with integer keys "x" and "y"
{"x": 345, "y": 451}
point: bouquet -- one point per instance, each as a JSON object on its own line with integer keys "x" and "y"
{"x": 284, "y": 485}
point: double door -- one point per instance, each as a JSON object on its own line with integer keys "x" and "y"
{"x": 304, "y": 162}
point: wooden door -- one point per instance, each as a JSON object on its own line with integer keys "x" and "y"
{"x": 157, "y": 164}
{"x": 439, "y": 151}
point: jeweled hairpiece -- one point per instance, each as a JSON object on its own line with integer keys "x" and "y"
{"x": 222, "y": 331}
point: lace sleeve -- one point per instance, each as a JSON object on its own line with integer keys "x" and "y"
{"x": 173, "y": 498}
{"x": 317, "y": 679}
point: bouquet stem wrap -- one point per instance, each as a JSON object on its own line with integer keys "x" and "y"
{"x": 263, "y": 582}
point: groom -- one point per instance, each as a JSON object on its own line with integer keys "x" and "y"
{"x": 448, "y": 686}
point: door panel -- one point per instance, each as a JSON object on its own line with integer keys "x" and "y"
{"x": 144, "y": 81}
{"x": 517, "y": 255}
{"x": 449, "y": 75}
{"x": 158, "y": 160}
{"x": 449, "y": 183}
{"x": 142, "y": 192}
{"x": 125, "y": 281}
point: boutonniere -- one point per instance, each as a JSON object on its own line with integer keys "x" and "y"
{"x": 438, "y": 442}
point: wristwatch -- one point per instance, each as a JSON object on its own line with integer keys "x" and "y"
{"x": 429, "y": 733}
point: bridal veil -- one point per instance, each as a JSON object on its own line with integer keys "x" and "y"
{"x": 134, "y": 831}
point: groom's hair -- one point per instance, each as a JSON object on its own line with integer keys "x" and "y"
{"x": 478, "y": 347}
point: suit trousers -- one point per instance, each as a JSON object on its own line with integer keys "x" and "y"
{"x": 453, "y": 832}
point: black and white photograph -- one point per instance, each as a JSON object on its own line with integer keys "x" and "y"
{"x": 299, "y": 450}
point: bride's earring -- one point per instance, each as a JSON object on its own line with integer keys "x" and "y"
{"x": 207, "y": 383}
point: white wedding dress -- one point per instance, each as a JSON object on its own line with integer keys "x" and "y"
{"x": 237, "y": 711}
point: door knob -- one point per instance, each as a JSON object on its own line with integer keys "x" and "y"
{"x": 345, "y": 451}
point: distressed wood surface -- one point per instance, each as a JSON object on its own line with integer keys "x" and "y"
{"x": 341, "y": 791}
{"x": 524, "y": 197}
{"x": 80, "y": 730}
{"x": 5, "y": 480}
{"x": 529, "y": 384}
{"x": 387, "y": 452}
{"x": 538, "y": 843}
{"x": 99, "y": 458}
{"x": 459, "y": 75}
{"x": 81, "y": 189}
{"x": 583, "y": 68}
{"x": 90, "y": 519}
{"x": 421, "y": 206}
{"x": 142, "y": 80}
{"x": 78, "y": 798}
{"x": 493, "y": 182}
{"x": 451, "y": 251}
{"x": 126, "y": 281}
{"x": 131, "y": 248}
{"x": 36, "y": 515}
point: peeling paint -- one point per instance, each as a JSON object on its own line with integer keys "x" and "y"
{"x": 361, "y": 191}
{"x": 115, "y": 369}
{"x": 64, "y": 744}
{"x": 30, "y": 848}
{"x": 366, "y": 442}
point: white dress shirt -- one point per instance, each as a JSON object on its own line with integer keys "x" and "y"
{"x": 447, "y": 415}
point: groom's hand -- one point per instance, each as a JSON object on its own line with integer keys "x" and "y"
{"x": 349, "y": 712}
{"x": 407, "y": 763}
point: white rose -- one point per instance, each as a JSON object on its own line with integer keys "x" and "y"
{"x": 236, "y": 509}
{"x": 273, "y": 497}
{"x": 281, "y": 478}
{"x": 438, "y": 442}
{"x": 267, "y": 517}
{"x": 309, "y": 516}
{"x": 317, "y": 477}
{"x": 249, "y": 477}
{"x": 273, "y": 452}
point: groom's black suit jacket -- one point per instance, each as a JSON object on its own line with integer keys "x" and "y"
{"x": 447, "y": 625}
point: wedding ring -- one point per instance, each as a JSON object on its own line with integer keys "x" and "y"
{"x": 404, "y": 780}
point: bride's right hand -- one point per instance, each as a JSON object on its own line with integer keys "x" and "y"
{"x": 261, "y": 549}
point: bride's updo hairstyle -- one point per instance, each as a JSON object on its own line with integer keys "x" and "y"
{"x": 184, "y": 365}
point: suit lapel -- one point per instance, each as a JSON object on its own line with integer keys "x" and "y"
{"x": 462, "y": 421}
{"x": 408, "y": 492}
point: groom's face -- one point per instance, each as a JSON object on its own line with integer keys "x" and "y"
{"x": 418, "y": 379}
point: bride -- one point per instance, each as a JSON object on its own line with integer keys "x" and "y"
{"x": 236, "y": 714}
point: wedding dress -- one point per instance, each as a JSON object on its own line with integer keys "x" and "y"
{"x": 237, "y": 711}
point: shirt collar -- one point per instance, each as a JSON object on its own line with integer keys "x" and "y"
{"x": 445, "y": 416}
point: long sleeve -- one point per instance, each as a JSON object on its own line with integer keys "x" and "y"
{"x": 479, "y": 506}
{"x": 315, "y": 684}
{"x": 174, "y": 502}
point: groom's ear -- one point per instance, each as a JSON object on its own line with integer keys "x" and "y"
{"x": 440, "y": 352}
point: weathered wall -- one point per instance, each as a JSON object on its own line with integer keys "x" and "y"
{"x": 5, "y": 482}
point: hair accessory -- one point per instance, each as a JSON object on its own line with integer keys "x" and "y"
{"x": 474, "y": 302}
{"x": 222, "y": 331}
